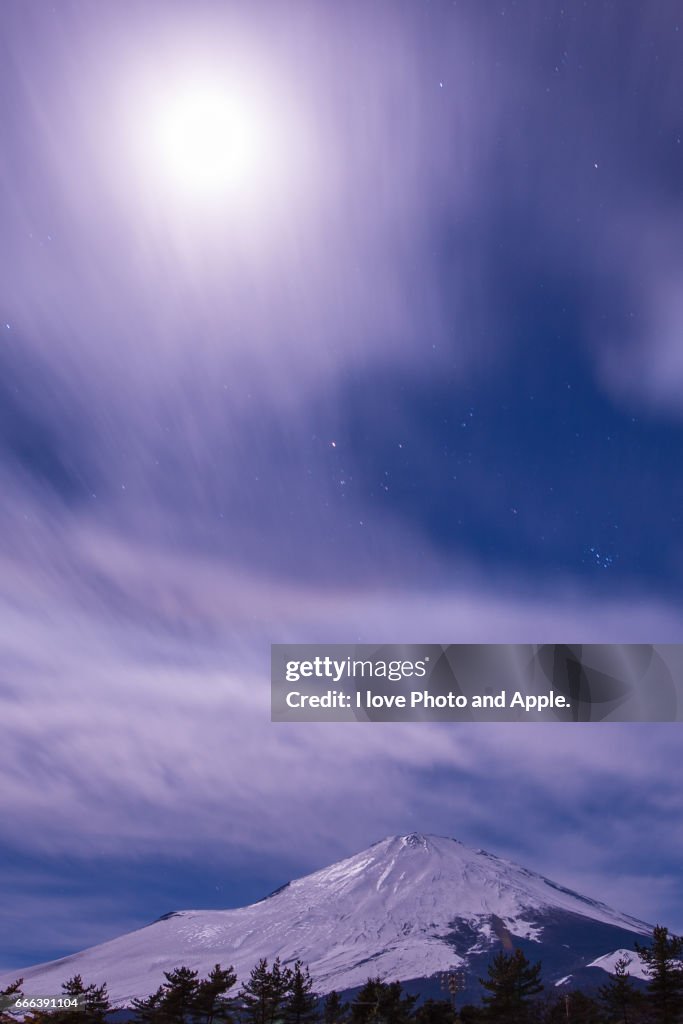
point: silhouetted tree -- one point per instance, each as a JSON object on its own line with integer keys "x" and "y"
{"x": 661, "y": 960}
{"x": 334, "y": 1011}
{"x": 619, "y": 997}
{"x": 184, "y": 998}
{"x": 264, "y": 995}
{"x": 553, "y": 1008}
{"x": 179, "y": 995}
{"x": 581, "y": 1008}
{"x": 148, "y": 1011}
{"x": 383, "y": 1002}
{"x": 7, "y": 997}
{"x": 512, "y": 984}
{"x": 301, "y": 1005}
{"x": 93, "y": 1003}
{"x": 211, "y": 1004}
{"x": 470, "y": 1014}
{"x": 435, "y": 1011}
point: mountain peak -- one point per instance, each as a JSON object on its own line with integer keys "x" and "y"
{"x": 415, "y": 839}
{"x": 423, "y": 840}
{"x": 407, "y": 907}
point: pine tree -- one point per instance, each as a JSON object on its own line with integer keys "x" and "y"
{"x": 148, "y": 1011}
{"x": 435, "y": 1011}
{"x": 662, "y": 965}
{"x": 179, "y": 994}
{"x": 211, "y": 1004}
{"x": 582, "y": 1009}
{"x": 264, "y": 995}
{"x": 93, "y": 1003}
{"x": 512, "y": 984}
{"x": 383, "y": 1002}
{"x": 74, "y": 988}
{"x": 620, "y": 999}
{"x": 184, "y": 998}
{"x": 7, "y": 997}
{"x": 301, "y": 1006}
{"x": 334, "y": 1010}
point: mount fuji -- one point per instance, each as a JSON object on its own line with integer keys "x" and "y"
{"x": 407, "y": 908}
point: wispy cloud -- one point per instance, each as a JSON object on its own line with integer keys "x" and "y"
{"x": 136, "y": 720}
{"x": 176, "y": 407}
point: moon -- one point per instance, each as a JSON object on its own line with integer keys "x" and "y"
{"x": 210, "y": 140}
{"x": 211, "y": 147}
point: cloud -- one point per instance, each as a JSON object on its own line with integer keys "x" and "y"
{"x": 171, "y": 380}
{"x": 135, "y": 703}
{"x": 147, "y": 303}
{"x": 134, "y": 699}
{"x": 639, "y": 357}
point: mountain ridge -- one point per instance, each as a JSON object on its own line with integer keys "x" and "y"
{"x": 406, "y": 908}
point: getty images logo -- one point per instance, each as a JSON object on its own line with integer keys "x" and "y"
{"x": 348, "y": 668}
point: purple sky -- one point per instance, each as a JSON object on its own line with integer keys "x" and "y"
{"x": 416, "y": 378}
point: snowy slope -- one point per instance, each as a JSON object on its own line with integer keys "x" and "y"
{"x": 634, "y": 967}
{"x": 407, "y": 907}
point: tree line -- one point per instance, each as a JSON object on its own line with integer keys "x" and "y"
{"x": 512, "y": 993}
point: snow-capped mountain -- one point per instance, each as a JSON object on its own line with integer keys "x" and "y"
{"x": 406, "y": 908}
{"x": 634, "y": 966}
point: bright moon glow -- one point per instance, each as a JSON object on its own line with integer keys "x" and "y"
{"x": 211, "y": 141}
{"x": 227, "y": 141}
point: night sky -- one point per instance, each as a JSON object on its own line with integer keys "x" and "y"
{"x": 320, "y": 321}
